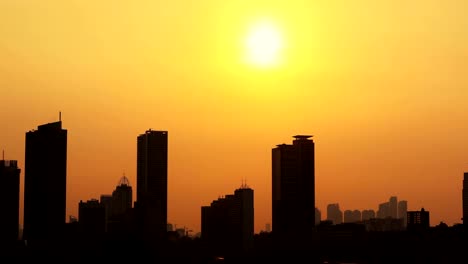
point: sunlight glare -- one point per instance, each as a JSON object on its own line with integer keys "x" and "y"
{"x": 263, "y": 45}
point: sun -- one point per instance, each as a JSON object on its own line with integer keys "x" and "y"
{"x": 263, "y": 45}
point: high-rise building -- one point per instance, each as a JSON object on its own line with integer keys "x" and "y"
{"x": 151, "y": 198}
{"x": 228, "y": 223}
{"x": 402, "y": 211}
{"x": 293, "y": 186}
{"x": 384, "y": 210}
{"x": 334, "y": 214}
{"x": 45, "y": 184}
{"x": 122, "y": 197}
{"x": 393, "y": 207}
{"x": 465, "y": 198}
{"x": 9, "y": 195}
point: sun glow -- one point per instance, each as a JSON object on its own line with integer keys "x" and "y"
{"x": 263, "y": 45}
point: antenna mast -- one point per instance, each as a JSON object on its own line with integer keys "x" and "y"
{"x": 60, "y": 115}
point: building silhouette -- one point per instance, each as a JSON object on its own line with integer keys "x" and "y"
{"x": 9, "y": 195}
{"x": 122, "y": 197}
{"x": 151, "y": 198}
{"x": 393, "y": 207}
{"x": 402, "y": 211}
{"x": 418, "y": 220}
{"x": 334, "y": 214}
{"x": 293, "y": 186}
{"x": 92, "y": 218}
{"x": 465, "y": 198}
{"x": 318, "y": 216}
{"x": 45, "y": 182}
{"x": 228, "y": 223}
{"x": 367, "y": 214}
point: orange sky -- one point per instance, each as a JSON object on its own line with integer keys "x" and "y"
{"x": 382, "y": 85}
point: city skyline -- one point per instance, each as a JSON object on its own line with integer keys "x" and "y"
{"x": 161, "y": 163}
{"x": 380, "y": 85}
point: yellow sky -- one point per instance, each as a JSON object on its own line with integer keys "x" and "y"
{"x": 381, "y": 84}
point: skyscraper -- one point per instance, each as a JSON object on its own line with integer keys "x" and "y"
{"x": 45, "y": 181}
{"x": 9, "y": 196}
{"x": 393, "y": 207}
{"x": 465, "y": 198}
{"x": 122, "y": 197}
{"x": 402, "y": 211}
{"x": 151, "y": 202}
{"x": 293, "y": 186}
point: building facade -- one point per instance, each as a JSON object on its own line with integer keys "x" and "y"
{"x": 293, "y": 186}
{"x": 45, "y": 184}
{"x": 10, "y": 197}
{"x": 228, "y": 223}
{"x": 151, "y": 196}
{"x": 418, "y": 220}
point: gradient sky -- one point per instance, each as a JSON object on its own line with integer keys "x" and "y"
{"x": 382, "y": 86}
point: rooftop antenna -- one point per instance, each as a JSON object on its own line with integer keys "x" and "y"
{"x": 60, "y": 115}
{"x": 3, "y": 154}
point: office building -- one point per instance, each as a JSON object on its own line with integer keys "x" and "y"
{"x": 151, "y": 198}
{"x": 293, "y": 186}
{"x": 9, "y": 195}
{"x": 228, "y": 223}
{"x": 45, "y": 184}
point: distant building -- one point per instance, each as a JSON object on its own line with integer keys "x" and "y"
{"x": 151, "y": 196}
{"x": 367, "y": 214}
{"x": 45, "y": 183}
{"x": 402, "y": 211}
{"x": 10, "y": 196}
{"x": 352, "y": 216}
{"x": 334, "y": 214}
{"x": 465, "y": 198}
{"x": 318, "y": 216}
{"x": 384, "y": 210}
{"x": 348, "y": 216}
{"x": 170, "y": 227}
{"x": 293, "y": 186}
{"x": 92, "y": 217}
{"x": 267, "y": 227}
{"x": 393, "y": 207}
{"x": 418, "y": 220}
{"x": 122, "y": 197}
{"x": 228, "y": 223}
{"x": 383, "y": 224}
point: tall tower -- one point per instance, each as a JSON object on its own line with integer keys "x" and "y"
{"x": 402, "y": 211}
{"x": 9, "y": 195}
{"x": 393, "y": 207}
{"x": 293, "y": 186}
{"x": 151, "y": 202}
{"x": 465, "y": 198}
{"x": 45, "y": 181}
{"x": 122, "y": 197}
